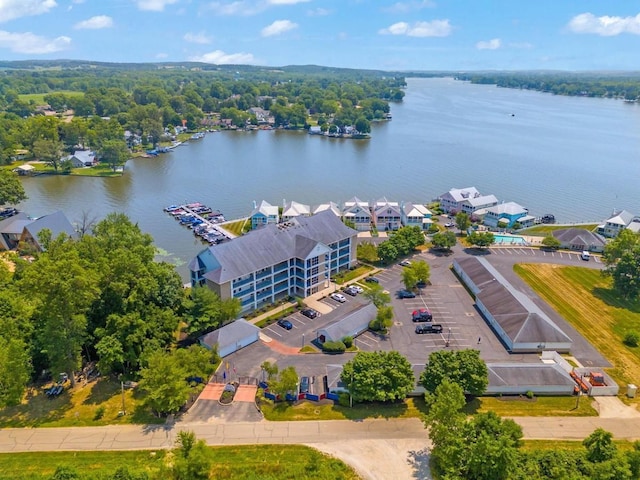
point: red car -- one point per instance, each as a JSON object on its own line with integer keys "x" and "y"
{"x": 422, "y": 315}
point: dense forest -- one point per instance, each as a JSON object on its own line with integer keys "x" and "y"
{"x": 48, "y": 108}
{"x": 619, "y": 85}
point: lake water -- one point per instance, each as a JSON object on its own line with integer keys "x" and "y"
{"x": 576, "y": 158}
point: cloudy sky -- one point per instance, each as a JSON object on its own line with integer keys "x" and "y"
{"x": 378, "y": 34}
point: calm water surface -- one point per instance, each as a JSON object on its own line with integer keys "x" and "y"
{"x": 574, "y": 157}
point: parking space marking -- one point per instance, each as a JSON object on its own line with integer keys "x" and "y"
{"x": 271, "y": 330}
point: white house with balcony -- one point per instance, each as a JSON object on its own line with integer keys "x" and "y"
{"x": 264, "y": 214}
{"x": 618, "y": 221}
{"x": 295, "y": 209}
{"x": 415, "y": 214}
{"x": 466, "y": 200}
{"x": 505, "y": 215}
{"x": 386, "y": 215}
{"x": 357, "y": 212}
{"x": 328, "y": 206}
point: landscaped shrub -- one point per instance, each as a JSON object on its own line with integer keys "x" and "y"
{"x": 333, "y": 347}
{"x": 343, "y": 399}
{"x": 99, "y": 413}
{"x": 348, "y": 342}
{"x": 631, "y": 338}
{"x": 529, "y": 394}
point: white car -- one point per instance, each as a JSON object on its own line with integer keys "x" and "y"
{"x": 405, "y": 263}
{"x": 338, "y": 297}
{"x": 357, "y": 288}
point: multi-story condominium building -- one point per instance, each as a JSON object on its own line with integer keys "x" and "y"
{"x": 386, "y": 215}
{"x": 416, "y": 215}
{"x": 358, "y": 212}
{"x": 466, "y": 200}
{"x": 264, "y": 214}
{"x": 505, "y": 215}
{"x": 294, "y": 258}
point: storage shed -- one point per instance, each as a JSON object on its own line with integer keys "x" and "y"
{"x": 231, "y": 337}
{"x": 520, "y": 378}
{"x": 351, "y": 325}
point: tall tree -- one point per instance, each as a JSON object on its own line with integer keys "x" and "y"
{"x": 114, "y": 152}
{"x": 462, "y": 221}
{"x": 15, "y": 369}
{"x": 378, "y": 376}
{"x": 49, "y": 151}
{"x": 463, "y": 367}
{"x": 377, "y": 295}
{"x": 11, "y": 189}
{"x": 444, "y": 240}
{"x": 164, "y": 382}
{"x": 481, "y": 239}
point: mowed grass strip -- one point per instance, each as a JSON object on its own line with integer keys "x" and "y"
{"x": 585, "y": 299}
{"x": 232, "y": 463}
{"x": 521, "y": 406}
{"x": 546, "y": 229}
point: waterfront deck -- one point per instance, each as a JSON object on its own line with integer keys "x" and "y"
{"x": 204, "y": 221}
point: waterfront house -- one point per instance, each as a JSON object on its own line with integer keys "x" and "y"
{"x": 328, "y": 206}
{"x": 295, "y": 258}
{"x": 25, "y": 169}
{"x": 415, "y": 214}
{"x": 295, "y": 209}
{"x": 264, "y": 214}
{"x": 579, "y": 239}
{"x": 357, "y": 212}
{"x": 506, "y": 214}
{"x": 386, "y": 215}
{"x": 618, "y": 221}
{"x": 81, "y": 158}
{"x": 11, "y": 229}
{"x": 20, "y": 228}
{"x": 466, "y": 200}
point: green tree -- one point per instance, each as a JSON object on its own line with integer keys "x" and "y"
{"x": 11, "y": 190}
{"x": 551, "y": 242}
{"x": 481, "y": 239}
{"x": 377, "y": 295}
{"x": 421, "y": 271}
{"x": 387, "y": 252}
{"x": 626, "y": 274}
{"x": 462, "y": 221}
{"x": 206, "y": 311}
{"x": 49, "y": 151}
{"x": 600, "y": 446}
{"x": 367, "y": 252}
{"x": 287, "y": 382}
{"x": 271, "y": 369}
{"x": 163, "y": 380}
{"x": 409, "y": 278}
{"x": 625, "y": 242}
{"x": 65, "y": 473}
{"x": 363, "y": 125}
{"x": 383, "y": 320}
{"x": 114, "y": 152}
{"x": 463, "y": 367}
{"x": 444, "y": 240}
{"x": 15, "y": 369}
{"x": 193, "y": 459}
{"x": 378, "y": 376}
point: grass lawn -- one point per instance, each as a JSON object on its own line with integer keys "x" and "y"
{"x": 545, "y": 229}
{"x": 586, "y": 300}
{"x": 78, "y": 407}
{"x": 100, "y": 170}
{"x": 237, "y": 227}
{"x": 568, "y": 445}
{"x": 281, "y": 313}
{"x": 344, "y": 277}
{"x": 521, "y": 406}
{"x": 413, "y": 407}
{"x": 38, "y": 98}
{"x": 233, "y": 463}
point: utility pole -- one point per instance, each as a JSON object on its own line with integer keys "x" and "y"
{"x": 124, "y": 410}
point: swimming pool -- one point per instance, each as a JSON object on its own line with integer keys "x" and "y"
{"x": 499, "y": 239}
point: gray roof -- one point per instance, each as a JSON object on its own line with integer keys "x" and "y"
{"x": 578, "y": 236}
{"x": 56, "y": 222}
{"x": 15, "y": 225}
{"x": 478, "y": 274}
{"x": 353, "y": 323}
{"x": 273, "y": 244}
{"x": 229, "y": 334}
{"x": 525, "y": 374}
{"x": 621, "y": 218}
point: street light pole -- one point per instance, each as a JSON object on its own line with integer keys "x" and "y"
{"x": 448, "y": 337}
{"x": 124, "y": 410}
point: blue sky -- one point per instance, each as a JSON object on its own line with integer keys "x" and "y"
{"x": 378, "y": 34}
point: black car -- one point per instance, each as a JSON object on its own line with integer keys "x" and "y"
{"x": 286, "y": 324}
{"x": 422, "y": 315}
{"x": 372, "y": 280}
{"x": 429, "y": 328}
{"x": 406, "y": 294}
{"x": 309, "y": 313}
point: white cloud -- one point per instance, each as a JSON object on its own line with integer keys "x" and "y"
{"x": 95, "y": 23}
{"x": 161, "y": 55}
{"x": 434, "y": 28}
{"x": 200, "y": 38}
{"x": 278, "y": 27}
{"x": 318, "y": 12}
{"x": 154, "y": 5}
{"x": 234, "y": 8}
{"x": 605, "y": 26}
{"x": 493, "y": 44}
{"x": 411, "y": 6}
{"x": 32, "y": 44}
{"x": 218, "y": 57}
{"x": 11, "y": 9}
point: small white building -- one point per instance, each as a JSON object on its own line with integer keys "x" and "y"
{"x": 351, "y": 325}
{"x": 231, "y": 337}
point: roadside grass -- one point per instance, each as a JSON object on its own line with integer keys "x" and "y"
{"x": 413, "y": 407}
{"x": 237, "y": 227}
{"x": 38, "y": 98}
{"x": 546, "y": 229}
{"x": 344, "y": 277}
{"x": 586, "y": 300}
{"x": 521, "y": 406}
{"x": 78, "y": 407}
{"x": 233, "y": 463}
{"x": 562, "y": 445}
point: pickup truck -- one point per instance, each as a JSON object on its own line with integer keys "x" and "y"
{"x": 429, "y": 328}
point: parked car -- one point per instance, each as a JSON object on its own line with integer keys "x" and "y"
{"x": 406, "y": 294}
{"x": 338, "y": 297}
{"x": 449, "y": 224}
{"x": 422, "y": 315}
{"x": 405, "y": 263}
{"x": 429, "y": 328}
{"x": 372, "y": 280}
{"x": 304, "y": 385}
{"x": 286, "y": 324}
{"x": 421, "y": 284}
{"x": 351, "y": 291}
{"x": 357, "y": 288}
{"x": 309, "y": 313}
